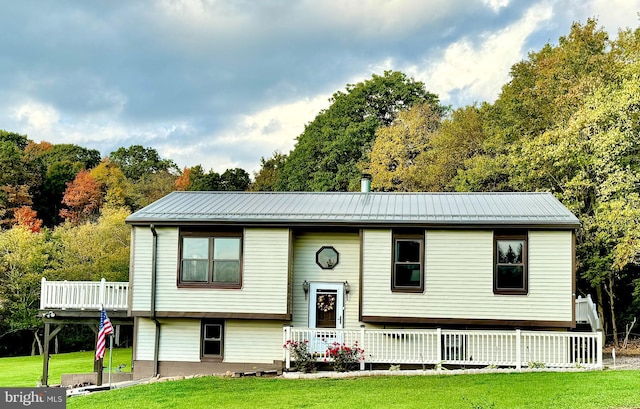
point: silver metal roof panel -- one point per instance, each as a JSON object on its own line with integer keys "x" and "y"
{"x": 348, "y": 208}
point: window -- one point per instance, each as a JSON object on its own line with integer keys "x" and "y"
{"x": 408, "y": 271}
{"x": 510, "y": 260}
{"x": 211, "y": 260}
{"x": 212, "y": 339}
{"x": 327, "y": 257}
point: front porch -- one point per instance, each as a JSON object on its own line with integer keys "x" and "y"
{"x": 470, "y": 348}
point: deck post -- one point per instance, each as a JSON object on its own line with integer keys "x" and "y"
{"x": 43, "y": 285}
{"x": 518, "y": 350}
{"x": 362, "y": 345}
{"x": 103, "y": 284}
{"x": 45, "y": 358}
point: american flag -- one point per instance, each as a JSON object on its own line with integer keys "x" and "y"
{"x": 104, "y": 330}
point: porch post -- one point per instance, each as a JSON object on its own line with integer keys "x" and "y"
{"x": 518, "y": 351}
{"x": 439, "y": 345}
{"x": 286, "y": 336}
{"x": 362, "y": 345}
{"x": 599, "y": 343}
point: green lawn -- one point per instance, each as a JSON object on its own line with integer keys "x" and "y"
{"x": 597, "y": 389}
{"x": 26, "y": 371}
{"x": 602, "y": 389}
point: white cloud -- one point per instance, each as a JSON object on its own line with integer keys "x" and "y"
{"x": 36, "y": 118}
{"x": 476, "y": 70}
{"x": 496, "y": 5}
{"x": 615, "y": 14}
{"x": 257, "y": 134}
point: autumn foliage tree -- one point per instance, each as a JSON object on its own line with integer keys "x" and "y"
{"x": 83, "y": 198}
{"x": 28, "y": 218}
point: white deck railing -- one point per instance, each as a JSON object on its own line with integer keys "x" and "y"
{"x": 84, "y": 295}
{"x": 587, "y": 313}
{"x": 550, "y": 349}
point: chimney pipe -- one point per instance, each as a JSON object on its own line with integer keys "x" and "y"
{"x": 365, "y": 183}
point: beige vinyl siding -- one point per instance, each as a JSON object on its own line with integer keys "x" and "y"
{"x": 145, "y": 339}
{"x": 253, "y": 341}
{"x": 459, "y": 278}
{"x": 141, "y": 269}
{"x": 264, "y": 275}
{"x": 305, "y": 268}
{"x": 180, "y": 340}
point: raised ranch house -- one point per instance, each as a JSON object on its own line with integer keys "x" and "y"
{"x": 221, "y": 280}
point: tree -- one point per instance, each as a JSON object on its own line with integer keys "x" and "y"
{"x": 150, "y": 188}
{"x": 266, "y": 179}
{"x": 200, "y": 181}
{"x": 593, "y": 166}
{"x": 137, "y": 161}
{"x": 94, "y": 250}
{"x": 392, "y": 161}
{"x": 57, "y": 166}
{"x": 24, "y": 256}
{"x": 326, "y": 154}
{"x": 235, "y": 179}
{"x": 27, "y": 218}
{"x": 182, "y": 181}
{"x": 113, "y": 184}
{"x": 458, "y": 140}
{"x": 544, "y": 92}
{"x": 82, "y": 197}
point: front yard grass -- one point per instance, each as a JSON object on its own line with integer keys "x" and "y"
{"x": 26, "y": 371}
{"x": 596, "y": 389}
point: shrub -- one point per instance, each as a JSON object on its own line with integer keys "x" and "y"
{"x": 303, "y": 359}
{"x": 344, "y": 357}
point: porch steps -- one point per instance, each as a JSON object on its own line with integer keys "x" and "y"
{"x": 258, "y": 373}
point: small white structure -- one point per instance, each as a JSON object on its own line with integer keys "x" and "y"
{"x": 221, "y": 280}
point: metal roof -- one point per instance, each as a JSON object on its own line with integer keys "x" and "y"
{"x": 356, "y": 208}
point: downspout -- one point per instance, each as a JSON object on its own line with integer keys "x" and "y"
{"x": 154, "y": 252}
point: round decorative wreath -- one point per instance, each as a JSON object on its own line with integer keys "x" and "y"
{"x": 326, "y": 303}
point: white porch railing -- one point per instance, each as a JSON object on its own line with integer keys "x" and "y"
{"x": 587, "y": 313}
{"x": 84, "y": 295}
{"x": 551, "y": 349}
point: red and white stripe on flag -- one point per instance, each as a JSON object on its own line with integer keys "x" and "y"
{"x": 104, "y": 330}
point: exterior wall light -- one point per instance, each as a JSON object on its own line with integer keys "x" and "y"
{"x": 347, "y": 288}
{"x": 305, "y": 287}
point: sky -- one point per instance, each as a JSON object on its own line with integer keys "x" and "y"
{"x": 222, "y": 83}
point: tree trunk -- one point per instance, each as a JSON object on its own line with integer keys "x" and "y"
{"x": 37, "y": 338}
{"x": 33, "y": 347}
{"x": 55, "y": 347}
{"x": 600, "y": 307}
{"x": 614, "y": 327}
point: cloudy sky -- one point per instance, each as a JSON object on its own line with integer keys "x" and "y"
{"x": 222, "y": 83}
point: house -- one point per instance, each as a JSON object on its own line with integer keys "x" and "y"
{"x": 220, "y": 279}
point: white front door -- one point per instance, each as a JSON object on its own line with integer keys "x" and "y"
{"x": 326, "y": 312}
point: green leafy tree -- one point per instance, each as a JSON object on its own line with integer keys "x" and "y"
{"x": 93, "y": 250}
{"x": 392, "y": 160}
{"x": 327, "y": 152}
{"x": 150, "y": 188}
{"x": 458, "y": 140}
{"x": 112, "y": 182}
{"x": 24, "y": 256}
{"x": 235, "y": 179}
{"x": 138, "y": 161}
{"x": 266, "y": 179}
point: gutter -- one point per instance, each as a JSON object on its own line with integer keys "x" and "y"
{"x": 154, "y": 252}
